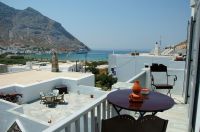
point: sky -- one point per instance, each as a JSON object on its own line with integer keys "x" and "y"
{"x": 117, "y": 24}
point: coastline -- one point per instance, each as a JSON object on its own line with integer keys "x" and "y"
{"x": 93, "y": 55}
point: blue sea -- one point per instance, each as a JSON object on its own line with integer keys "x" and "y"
{"x": 93, "y": 55}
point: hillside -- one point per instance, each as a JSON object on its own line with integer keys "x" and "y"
{"x": 30, "y": 29}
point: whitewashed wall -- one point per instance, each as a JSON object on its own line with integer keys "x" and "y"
{"x": 31, "y": 92}
{"x": 194, "y": 62}
{"x": 74, "y": 83}
{"x": 128, "y": 66}
{"x": 9, "y": 114}
{"x": 9, "y": 89}
{"x": 88, "y": 81}
{"x": 88, "y": 90}
{"x": 145, "y": 80}
{"x": 142, "y": 77}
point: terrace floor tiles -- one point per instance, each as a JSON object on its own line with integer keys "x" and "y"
{"x": 177, "y": 116}
{"x": 73, "y": 103}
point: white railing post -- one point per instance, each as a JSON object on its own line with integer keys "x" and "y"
{"x": 77, "y": 125}
{"x": 92, "y": 120}
{"x": 68, "y": 128}
{"x": 85, "y": 122}
{"x": 99, "y": 117}
{"x": 108, "y": 110}
{"x": 104, "y": 110}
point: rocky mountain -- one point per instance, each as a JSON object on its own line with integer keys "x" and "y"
{"x": 29, "y": 28}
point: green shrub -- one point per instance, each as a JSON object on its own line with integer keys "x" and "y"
{"x": 4, "y": 55}
{"x": 105, "y": 81}
{"x": 14, "y": 60}
{"x": 92, "y": 69}
{"x": 96, "y": 63}
{"x": 16, "y": 57}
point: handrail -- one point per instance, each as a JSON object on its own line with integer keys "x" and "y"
{"x": 67, "y": 121}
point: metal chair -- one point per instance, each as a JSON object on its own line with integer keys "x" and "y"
{"x": 60, "y": 98}
{"x": 42, "y": 97}
{"x": 49, "y": 100}
{"x": 126, "y": 123}
{"x": 160, "y": 68}
{"x": 56, "y": 92}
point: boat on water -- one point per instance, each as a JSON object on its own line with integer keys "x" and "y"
{"x": 81, "y": 51}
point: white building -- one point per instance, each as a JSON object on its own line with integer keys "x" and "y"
{"x": 157, "y": 49}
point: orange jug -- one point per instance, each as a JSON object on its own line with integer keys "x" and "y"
{"x": 136, "y": 87}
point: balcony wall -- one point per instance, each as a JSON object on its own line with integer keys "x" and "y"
{"x": 142, "y": 77}
{"x": 145, "y": 81}
{"x": 127, "y": 66}
{"x": 11, "y": 112}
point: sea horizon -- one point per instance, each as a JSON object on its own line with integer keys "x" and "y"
{"x": 92, "y": 55}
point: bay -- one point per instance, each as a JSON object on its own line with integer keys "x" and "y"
{"x": 93, "y": 55}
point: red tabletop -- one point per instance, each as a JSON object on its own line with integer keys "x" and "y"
{"x": 153, "y": 102}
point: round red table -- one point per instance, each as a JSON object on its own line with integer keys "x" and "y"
{"x": 153, "y": 102}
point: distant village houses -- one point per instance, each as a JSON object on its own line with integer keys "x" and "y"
{"x": 22, "y": 50}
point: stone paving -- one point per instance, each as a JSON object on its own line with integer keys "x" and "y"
{"x": 177, "y": 116}
{"x": 73, "y": 103}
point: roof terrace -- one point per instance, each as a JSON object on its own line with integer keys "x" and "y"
{"x": 73, "y": 102}
{"x": 33, "y": 76}
{"x": 36, "y": 116}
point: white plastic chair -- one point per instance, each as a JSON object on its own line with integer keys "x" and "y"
{"x": 56, "y": 92}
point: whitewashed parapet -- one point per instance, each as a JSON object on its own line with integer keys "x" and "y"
{"x": 121, "y": 85}
{"x": 31, "y": 92}
{"x": 88, "y": 90}
{"x": 140, "y": 76}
